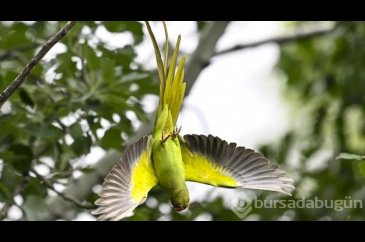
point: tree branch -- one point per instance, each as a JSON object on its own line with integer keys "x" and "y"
{"x": 83, "y": 186}
{"x": 279, "y": 40}
{"x": 204, "y": 51}
{"x": 63, "y": 196}
{"x": 5, "y": 95}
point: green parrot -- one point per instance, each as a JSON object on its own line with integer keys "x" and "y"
{"x": 167, "y": 159}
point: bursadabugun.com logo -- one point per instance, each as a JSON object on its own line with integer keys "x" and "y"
{"x": 246, "y": 203}
{"x": 243, "y": 206}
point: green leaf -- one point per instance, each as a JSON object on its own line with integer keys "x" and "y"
{"x": 93, "y": 62}
{"x": 121, "y": 56}
{"x": 87, "y": 169}
{"x": 65, "y": 65}
{"x": 5, "y": 194}
{"x": 76, "y": 130}
{"x": 6, "y": 141}
{"x": 112, "y": 139}
{"x": 81, "y": 145}
{"x": 35, "y": 208}
{"x": 348, "y": 156}
{"x": 107, "y": 66}
{"x": 34, "y": 187}
{"x": 46, "y": 131}
{"x": 133, "y": 76}
{"x": 14, "y": 36}
{"x": 21, "y": 157}
{"x": 38, "y": 70}
{"x": 135, "y": 28}
{"x": 25, "y": 98}
{"x": 94, "y": 124}
{"x": 200, "y": 25}
{"x": 8, "y": 156}
{"x": 9, "y": 178}
{"x": 126, "y": 125}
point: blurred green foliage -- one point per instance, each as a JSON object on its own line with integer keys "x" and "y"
{"x": 59, "y": 110}
{"x": 324, "y": 84}
{"x": 81, "y": 98}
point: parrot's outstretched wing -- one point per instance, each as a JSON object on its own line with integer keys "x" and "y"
{"x": 212, "y": 161}
{"x": 128, "y": 183}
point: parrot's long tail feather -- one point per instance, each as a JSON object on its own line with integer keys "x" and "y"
{"x": 172, "y": 85}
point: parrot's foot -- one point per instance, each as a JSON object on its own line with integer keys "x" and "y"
{"x": 173, "y": 135}
{"x": 176, "y": 132}
{"x": 164, "y": 137}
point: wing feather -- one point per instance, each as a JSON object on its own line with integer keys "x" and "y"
{"x": 210, "y": 160}
{"x": 122, "y": 190}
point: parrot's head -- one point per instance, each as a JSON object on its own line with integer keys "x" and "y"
{"x": 180, "y": 199}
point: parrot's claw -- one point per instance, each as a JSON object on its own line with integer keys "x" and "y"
{"x": 173, "y": 135}
{"x": 164, "y": 137}
{"x": 176, "y": 132}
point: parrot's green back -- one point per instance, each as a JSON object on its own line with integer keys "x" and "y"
{"x": 166, "y": 154}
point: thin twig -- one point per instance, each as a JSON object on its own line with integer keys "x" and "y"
{"x": 84, "y": 73}
{"x": 64, "y": 196}
{"x": 34, "y": 61}
{"x": 279, "y": 40}
{"x": 4, "y": 211}
{"x": 64, "y": 127}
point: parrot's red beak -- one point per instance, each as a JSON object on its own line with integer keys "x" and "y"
{"x": 179, "y": 209}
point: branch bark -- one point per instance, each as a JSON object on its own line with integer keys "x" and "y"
{"x": 61, "y": 194}
{"x": 203, "y": 52}
{"x": 18, "y": 81}
{"x": 279, "y": 40}
{"x": 58, "y": 207}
